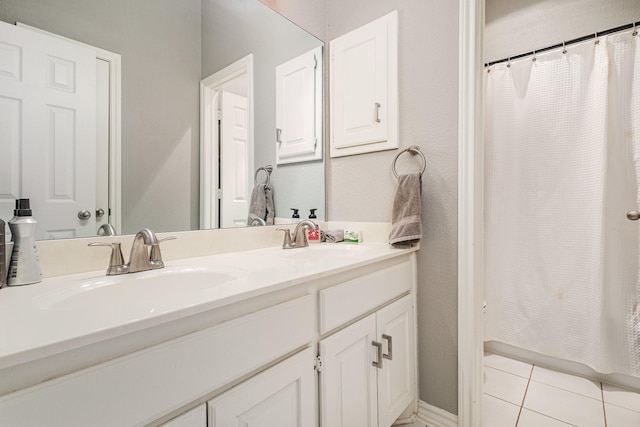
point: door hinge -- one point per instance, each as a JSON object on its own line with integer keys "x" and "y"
{"x": 317, "y": 364}
{"x": 315, "y": 62}
{"x": 219, "y": 193}
{"x": 219, "y": 114}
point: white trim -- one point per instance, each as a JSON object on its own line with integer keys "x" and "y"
{"x": 436, "y": 417}
{"x": 115, "y": 122}
{"x": 208, "y": 150}
{"x": 470, "y": 213}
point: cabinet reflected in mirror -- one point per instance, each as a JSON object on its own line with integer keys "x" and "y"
{"x": 166, "y": 49}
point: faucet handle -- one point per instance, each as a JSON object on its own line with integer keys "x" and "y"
{"x": 116, "y": 261}
{"x": 287, "y": 244}
{"x": 155, "y": 257}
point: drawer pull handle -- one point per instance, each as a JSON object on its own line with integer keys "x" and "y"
{"x": 377, "y": 363}
{"x": 389, "y": 355}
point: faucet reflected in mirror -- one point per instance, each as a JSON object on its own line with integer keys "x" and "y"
{"x": 140, "y": 258}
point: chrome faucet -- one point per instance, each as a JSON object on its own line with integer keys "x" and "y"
{"x": 140, "y": 259}
{"x": 299, "y": 239}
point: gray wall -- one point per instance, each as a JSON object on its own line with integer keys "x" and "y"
{"x": 159, "y": 41}
{"x": 273, "y": 40}
{"x": 361, "y": 188}
{"x": 519, "y": 26}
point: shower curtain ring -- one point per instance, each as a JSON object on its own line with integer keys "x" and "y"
{"x": 509, "y": 62}
{"x": 595, "y": 36}
{"x": 635, "y": 32}
{"x": 564, "y": 48}
{"x": 534, "y": 59}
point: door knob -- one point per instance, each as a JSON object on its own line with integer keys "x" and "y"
{"x": 99, "y": 213}
{"x": 84, "y": 214}
{"x": 633, "y": 215}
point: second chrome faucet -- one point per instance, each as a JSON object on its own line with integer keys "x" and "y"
{"x": 299, "y": 239}
{"x": 140, "y": 258}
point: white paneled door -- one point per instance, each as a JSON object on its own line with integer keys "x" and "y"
{"x": 47, "y": 130}
{"x": 235, "y": 167}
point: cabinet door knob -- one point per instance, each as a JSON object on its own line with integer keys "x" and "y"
{"x": 84, "y": 214}
{"x": 633, "y": 215}
{"x": 377, "y": 363}
{"x": 389, "y": 355}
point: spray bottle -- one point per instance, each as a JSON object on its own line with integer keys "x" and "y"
{"x": 24, "y": 266}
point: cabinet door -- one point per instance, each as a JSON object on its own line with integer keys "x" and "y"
{"x": 397, "y": 378}
{"x": 282, "y": 396}
{"x": 348, "y": 395}
{"x": 363, "y": 95}
{"x": 299, "y": 108}
{"x": 197, "y": 417}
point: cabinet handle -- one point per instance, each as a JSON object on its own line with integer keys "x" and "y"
{"x": 377, "y": 363}
{"x": 278, "y": 135}
{"x": 389, "y": 355}
{"x": 377, "y": 105}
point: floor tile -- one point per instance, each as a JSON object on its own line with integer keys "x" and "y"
{"x": 504, "y": 386}
{"x": 621, "y": 417}
{"x": 529, "y": 418}
{"x": 564, "y": 405}
{"x": 512, "y": 366}
{"x": 621, "y": 397}
{"x": 498, "y": 413}
{"x": 567, "y": 382}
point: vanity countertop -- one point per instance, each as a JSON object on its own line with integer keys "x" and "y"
{"x": 67, "y": 312}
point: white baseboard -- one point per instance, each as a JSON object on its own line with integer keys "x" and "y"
{"x": 436, "y": 417}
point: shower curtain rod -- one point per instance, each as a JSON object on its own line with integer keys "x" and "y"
{"x": 567, "y": 43}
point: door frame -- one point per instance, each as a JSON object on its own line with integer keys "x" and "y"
{"x": 209, "y": 150}
{"x": 115, "y": 123}
{"x": 470, "y": 211}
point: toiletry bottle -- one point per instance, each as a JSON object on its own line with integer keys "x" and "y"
{"x": 295, "y": 218}
{"x": 24, "y": 266}
{"x": 3, "y": 257}
{"x": 313, "y": 236}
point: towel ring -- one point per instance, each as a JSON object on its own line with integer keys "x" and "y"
{"x": 413, "y": 150}
{"x": 267, "y": 169}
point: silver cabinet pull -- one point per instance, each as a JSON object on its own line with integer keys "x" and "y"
{"x": 377, "y": 363}
{"x": 389, "y": 355}
{"x": 278, "y": 135}
{"x": 377, "y": 105}
{"x": 633, "y": 215}
{"x": 84, "y": 214}
{"x": 99, "y": 213}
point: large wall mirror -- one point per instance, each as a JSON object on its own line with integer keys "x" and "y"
{"x": 173, "y": 67}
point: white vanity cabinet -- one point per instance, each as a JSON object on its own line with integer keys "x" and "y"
{"x": 290, "y": 356}
{"x": 282, "y": 396}
{"x": 368, "y": 369}
{"x": 197, "y": 417}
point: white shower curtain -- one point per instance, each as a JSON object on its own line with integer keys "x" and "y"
{"x": 562, "y": 138}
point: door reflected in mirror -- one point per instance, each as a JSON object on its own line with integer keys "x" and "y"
{"x": 117, "y": 127}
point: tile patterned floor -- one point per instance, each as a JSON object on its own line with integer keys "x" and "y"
{"x": 518, "y": 394}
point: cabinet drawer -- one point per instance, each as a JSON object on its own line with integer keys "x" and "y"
{"x": 344, "y": 302}
{"x": 143, "y": 386}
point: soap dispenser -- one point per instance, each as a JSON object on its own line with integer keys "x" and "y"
{"x": 24, "y": 266}
{"x": 313, "y": 235}
{"x": 295, "y": 218}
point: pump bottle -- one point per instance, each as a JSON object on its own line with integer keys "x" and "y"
{"x": 24, "y": 266}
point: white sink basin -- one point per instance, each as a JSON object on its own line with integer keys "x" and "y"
{"x": 144, "y": 292}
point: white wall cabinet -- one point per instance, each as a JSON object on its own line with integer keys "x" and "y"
{"x": 299, "y": 108}
{"x": 368, "y": 369}
{"x": 364, "y": 88}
